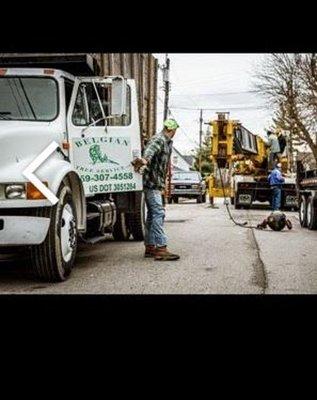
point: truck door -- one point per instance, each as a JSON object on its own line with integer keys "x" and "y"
{"x": 104, "y": 135}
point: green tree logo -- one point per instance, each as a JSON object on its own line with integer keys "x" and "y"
{"x": 96, "y": 155}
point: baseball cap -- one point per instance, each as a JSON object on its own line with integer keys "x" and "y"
{"x": 171, "y": 124}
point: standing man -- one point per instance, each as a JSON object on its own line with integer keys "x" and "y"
{"x": 275, "y": 150}
{"x": 155, "y": 162}
{"x": 282, "y": 142}
{"x": 276, "y": 181}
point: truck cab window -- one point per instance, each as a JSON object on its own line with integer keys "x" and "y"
{"x": 87, "y": 103}
{"x": 26, "y": 98}
{"x": 80, "y": 113}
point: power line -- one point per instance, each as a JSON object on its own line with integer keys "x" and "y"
{"x": 180, "y": 128}
{"x": 219, "y": 109}
{"x": 217, "y": 94}
{"x": 191, "y": 99}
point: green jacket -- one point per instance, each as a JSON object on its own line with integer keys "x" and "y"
{"x": 157, "y": 152}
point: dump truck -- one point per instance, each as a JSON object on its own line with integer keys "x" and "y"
{"x": 70, "y": 126}
{"x": 307, "y": 196}
{"x": 240, "y": 166}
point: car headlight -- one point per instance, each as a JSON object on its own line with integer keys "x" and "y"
{"x": 15, "y": 191}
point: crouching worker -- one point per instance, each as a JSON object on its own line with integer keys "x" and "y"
{"x": 154, "y": 162}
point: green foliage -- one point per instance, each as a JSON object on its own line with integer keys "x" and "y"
{"x": 206, "y": 165}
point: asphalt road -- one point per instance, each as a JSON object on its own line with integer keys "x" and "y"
{"x": 217, "y": 257}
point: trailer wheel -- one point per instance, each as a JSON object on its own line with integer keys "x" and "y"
{"x": 121, "y": 230}
{"x": 137, "y": 220}
{"x": 303, "y": 211}
{"x": 311, "y": 214}
{"x": 53, "y": 259}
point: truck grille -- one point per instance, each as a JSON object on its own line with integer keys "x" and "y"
{"x": 183, "y": 186}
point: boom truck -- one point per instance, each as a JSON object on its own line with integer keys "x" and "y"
{"x": 96, "y": 111}
{"x": 240, "y": 166}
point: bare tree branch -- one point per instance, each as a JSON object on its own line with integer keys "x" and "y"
{"x": 289, "y": 84}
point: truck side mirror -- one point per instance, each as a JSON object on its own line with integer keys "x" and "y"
{"x": 119, "y": 97}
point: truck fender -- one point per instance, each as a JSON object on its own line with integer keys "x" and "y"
{"x": 55, "y": 171}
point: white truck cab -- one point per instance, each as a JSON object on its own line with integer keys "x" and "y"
{"x": 95, "y": 123}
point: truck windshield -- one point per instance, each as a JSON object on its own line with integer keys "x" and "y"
{"x": 186, "y": 176}
{"x": 28, "y": 98}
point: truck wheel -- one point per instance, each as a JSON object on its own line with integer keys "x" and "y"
{"x": 232, "y": 200}
{"x": 53, "y": 259}
{"x": 199, "y": 199}
{"x": 170, "y": 200}
{"x": 175, "y": 199}
{"x": 121, "y": 230}
{"x": 137, "y": 221}
{"x": 303, "y": 211}
{"x": 204, "y": 198}
{"x": 311, "y": 214}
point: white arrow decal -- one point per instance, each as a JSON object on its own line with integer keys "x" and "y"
{"x": 29, "y": 172}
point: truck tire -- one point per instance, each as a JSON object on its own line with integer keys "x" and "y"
{"x": 199, "y": 199}
{"x": 175, "y": 199}
{"x": 311, "y": 214}
{"x": 121, "y": 231}
{"x": 232, "y": 200}
{"x": 170, "y": 200}
{"x": 204, "y": 198}
{"x": 303, "y": 211}
{"x": 53, "y": 260}
{"x": 137, "y": 221}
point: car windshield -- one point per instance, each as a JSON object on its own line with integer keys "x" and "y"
{"x": 186, "y": 176}
{"x": 28, "y": 98}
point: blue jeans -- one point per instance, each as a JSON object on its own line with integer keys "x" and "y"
{"x": 276, "y": 197}
{"x": 154, "y": 232}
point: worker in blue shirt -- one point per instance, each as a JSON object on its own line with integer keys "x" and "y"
{"x": 276, "y": 181}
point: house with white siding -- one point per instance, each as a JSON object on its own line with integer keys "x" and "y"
{"x": 179, "y": 163}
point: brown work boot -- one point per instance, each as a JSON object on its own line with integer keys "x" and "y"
{"x": 149, "y": 251}
{"x": 162, "y": 254}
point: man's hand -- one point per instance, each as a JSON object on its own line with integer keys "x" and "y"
{"x": 138, "y": 163}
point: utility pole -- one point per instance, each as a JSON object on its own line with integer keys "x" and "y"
{"x": 167, "y": 88}
{"x": 200, "y": 136}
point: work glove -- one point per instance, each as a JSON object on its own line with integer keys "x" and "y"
{"x": 139, "y": 164}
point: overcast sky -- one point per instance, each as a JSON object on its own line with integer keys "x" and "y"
{"x": 222, "y": 82}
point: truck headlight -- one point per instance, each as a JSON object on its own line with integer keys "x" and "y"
{"x": 195, "y": 186}
{"x": 172, "y": 187}
{"x": 15, "y": 191}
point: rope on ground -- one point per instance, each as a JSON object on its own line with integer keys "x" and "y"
{"x": 226, "y": 202}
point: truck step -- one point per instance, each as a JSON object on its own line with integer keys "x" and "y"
{"x": 92, "y": 215}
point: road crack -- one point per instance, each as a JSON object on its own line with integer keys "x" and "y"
{"x": 260, "y": 278}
